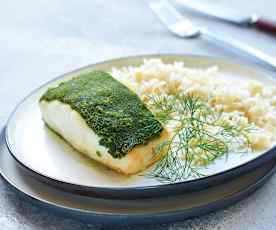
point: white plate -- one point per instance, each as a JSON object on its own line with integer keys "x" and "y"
{"x": 42, "y": 151}
{"x": 151, "y": 211}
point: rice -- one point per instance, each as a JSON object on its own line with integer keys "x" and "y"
{"x": 247, "y": 102}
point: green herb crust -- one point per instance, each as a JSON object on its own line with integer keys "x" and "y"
{"x": 110, "y": 109}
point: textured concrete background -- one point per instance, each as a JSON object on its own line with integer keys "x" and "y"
{"x": 41, "y": 39}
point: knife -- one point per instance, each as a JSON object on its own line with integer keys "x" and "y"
{"x": 230, "y": 15}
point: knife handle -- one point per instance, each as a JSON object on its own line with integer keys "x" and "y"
{"x": 266, "y": 25}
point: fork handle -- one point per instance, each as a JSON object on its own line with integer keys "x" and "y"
{"x": 240, "y": 48}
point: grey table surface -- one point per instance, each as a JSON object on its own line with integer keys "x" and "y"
{"x": 41, "y": 39}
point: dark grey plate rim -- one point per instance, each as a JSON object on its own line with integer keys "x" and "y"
{"x": 153, "y": 218}
{"x": 144, "y": 191}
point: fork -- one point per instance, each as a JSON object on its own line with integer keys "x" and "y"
{"x": 181, "y": 27}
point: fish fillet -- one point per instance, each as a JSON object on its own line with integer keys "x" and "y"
{"x": 69, "y": 124}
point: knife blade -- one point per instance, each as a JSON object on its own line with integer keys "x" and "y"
{"x": 229, "y": 15}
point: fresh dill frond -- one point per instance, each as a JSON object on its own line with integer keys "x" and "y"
{"x": 199, "y": 136}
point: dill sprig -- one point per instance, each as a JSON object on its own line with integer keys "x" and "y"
{"x": 200, "y": 135}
